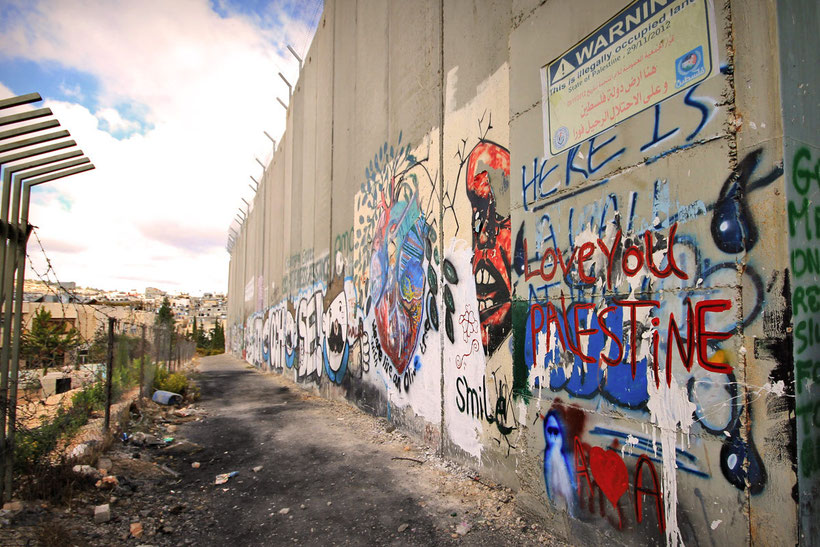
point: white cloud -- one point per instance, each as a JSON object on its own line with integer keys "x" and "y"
{"x": 113, "y": 122}
{"x": 206, "y": 87}
{"x": 72, "y": 91}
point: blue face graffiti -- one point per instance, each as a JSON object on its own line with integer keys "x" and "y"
{"x": 559, "y": 476}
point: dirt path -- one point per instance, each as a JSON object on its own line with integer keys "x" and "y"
{"x": 330, "y": 475}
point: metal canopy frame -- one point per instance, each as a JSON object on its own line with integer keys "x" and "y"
{"x": 18, "y": 179}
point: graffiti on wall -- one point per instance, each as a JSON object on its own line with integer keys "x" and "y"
{"x": 632, "y": 301}
{"x": 369, "y": 309}
{"x": 803, "y": 214}
{"x": 614, "y": 481}
{"x": 476, "y": 293}
{"x": 397, "y": 275}
{"x": 485, "y": 172}
{"x": 635, "y": 310}
{"x": 486, "y": 164}
{"x": 585, "y": 161}
{"x": 559, "y": 472}
{"x": 395, "y": 257}
{"x": 343, "y": 250}
{"x": 314, "y": 333}
{"x": 614, "y": 317}
{"x": 304, "y": 269}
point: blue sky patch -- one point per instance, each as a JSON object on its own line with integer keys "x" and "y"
{"x": 51, "y": 80}
{"x": 267, "y": 12}
{"x": 57, "y": 82}
{"x": 43, "y": 193}
{"x": 134, "y": 114}
{"x": 65, "y": 202}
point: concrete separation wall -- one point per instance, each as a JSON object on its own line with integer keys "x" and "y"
{"x": 569, "y": 244}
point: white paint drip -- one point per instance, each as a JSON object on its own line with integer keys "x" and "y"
{"x": 671, "y": 411}
{"x": 631, "y": 441}
{"x": 450, "y": 90}
{"x": 540, "y": 356}
{"x": 654, "y": 441}
{"x": 555, "y": 347}
{"x": 585, "y": 339}
{"x": 778, "y": 388}
{"x": 522, "y": 410}
{"x": 642, "y": 317}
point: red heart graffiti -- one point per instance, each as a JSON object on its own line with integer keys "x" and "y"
{"x": 610, "y": 473}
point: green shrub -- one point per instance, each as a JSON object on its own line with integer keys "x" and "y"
{"x": 205, "y": 352}
{"x": 160, "y": 375}
{"x": 32, "y": 446}
{"x": 90, "y": 399}
{"x": 174, "y": 382}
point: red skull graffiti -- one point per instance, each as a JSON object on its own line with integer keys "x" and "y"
{"x": 488, "y": 172}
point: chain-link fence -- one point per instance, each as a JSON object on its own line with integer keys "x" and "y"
{"x": 72, "y": 361}
{"x": 56, "y": 402}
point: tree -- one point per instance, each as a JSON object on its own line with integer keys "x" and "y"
{"x": 200, "y": 337}
{"x": 203, "y": 339}
{"x": 218, "y": 337}
{"x": 165, "y": 317}
{"x": 47, "y": 343}
{"x": 98, "y": 350}
{"x": 165, "y": 328}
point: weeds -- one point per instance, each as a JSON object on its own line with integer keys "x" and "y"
{"x": 33, "y": 446}
{"x": 52, "y": 481}
{"x": 54, "y": 534}
{"x": 174, "y": 382}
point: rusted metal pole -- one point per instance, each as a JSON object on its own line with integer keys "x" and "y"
{"x": 142, "y": 365}
{"x": 109, "y": 369}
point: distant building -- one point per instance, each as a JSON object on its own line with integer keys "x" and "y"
{"x": 208, "y": 310}
{"x": 83, "y": 318}
{"x": 88, "y": 309}
{"x": 152, "y": 292}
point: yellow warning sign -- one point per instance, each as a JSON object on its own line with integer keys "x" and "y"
{"x": 646, "y": 53}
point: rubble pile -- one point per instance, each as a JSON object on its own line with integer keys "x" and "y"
{"x": 127, "y": 494}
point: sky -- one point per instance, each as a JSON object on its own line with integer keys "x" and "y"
{"x": 169, "y": 100}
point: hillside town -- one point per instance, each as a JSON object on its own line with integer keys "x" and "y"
{"x": 87, "y": 309}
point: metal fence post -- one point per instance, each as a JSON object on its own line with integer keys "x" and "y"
{"x": 109, "y": 369}
{"x": 142, "y": 364}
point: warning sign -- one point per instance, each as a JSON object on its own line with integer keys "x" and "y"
{"x": 646, "y": 53}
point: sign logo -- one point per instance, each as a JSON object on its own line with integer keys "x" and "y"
{"x": 689, "y": 66}
{"x": 561, "y": 137}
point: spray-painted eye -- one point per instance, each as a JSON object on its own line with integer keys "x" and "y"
{"x": 477, "y": 222}
{"x": 553, "y": 431}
